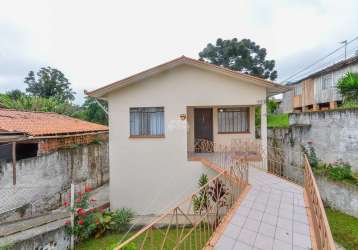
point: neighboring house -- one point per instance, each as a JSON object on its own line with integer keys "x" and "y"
{"x": 318, "y": 91}
{"x": 41, "y": 154}
{"x": 37, "y": 133}
{"x": 157, "y": 116}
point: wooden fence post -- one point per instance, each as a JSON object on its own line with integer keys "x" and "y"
{"x": 14, "y": 163}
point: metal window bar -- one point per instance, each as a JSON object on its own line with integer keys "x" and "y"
{"x": 147, "y": 121}
{"x": 233, "y": 120}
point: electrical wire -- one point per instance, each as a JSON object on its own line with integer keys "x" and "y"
{"x": 319, "y": 60}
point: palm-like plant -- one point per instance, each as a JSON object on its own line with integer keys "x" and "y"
{"x": 201, "y": 200}
{"x": 218, "y": 193}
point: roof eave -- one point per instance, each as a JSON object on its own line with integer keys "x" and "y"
{"x": 103, "y": 91}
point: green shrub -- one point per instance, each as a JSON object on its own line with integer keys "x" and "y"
{"x": 340, "y": 171}
{"x": 90, "y": 221}
{"x": 122, "y": 218}
{"x": 201, "y": 200}
{"x": 350, "y": 104}
{"x": 311, "y": 156}
{"x": 348, "y": 86}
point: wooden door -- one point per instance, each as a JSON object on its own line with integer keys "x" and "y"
{"x": 203, "y": 126}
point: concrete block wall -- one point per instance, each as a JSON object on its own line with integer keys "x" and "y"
{"x": 43, "y": 181}
{"x": 332, "y": 133}
{"x": 334, "y": 136}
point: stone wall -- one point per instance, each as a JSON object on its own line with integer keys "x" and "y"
{"x": 334, "y": 135}
{"x": 338, "y": 195}
{"x": 43, "y": 181}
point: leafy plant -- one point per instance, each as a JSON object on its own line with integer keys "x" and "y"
{"x": 340, "y": 171}
{"x": 218, "y": 194}
{"x": 84, "y": 221}
{"x": 200, "y": 201}
{"x": 272, "y": 106}
{"x": 311, "y": 155}
{"x": 122, "y": 218}
{"x": 104, "y": 222}
{"x": 89, "y": 221}
{"x": 348, "y": 86}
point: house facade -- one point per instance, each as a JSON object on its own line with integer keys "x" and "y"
{"x": 157, "y": 117}
{"x": 318, "y": 91}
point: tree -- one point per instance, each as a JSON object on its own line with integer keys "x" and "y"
{"x": 49, "y": 82}
{"x": 93, "y": 112}
{"x": 15, "y": 94}
{"x": 348, "y": 87}
{"x": 244, "y": 56}
{"x": 35, "y": 103}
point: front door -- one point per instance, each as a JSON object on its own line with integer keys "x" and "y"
{"x": 203, "y": 129}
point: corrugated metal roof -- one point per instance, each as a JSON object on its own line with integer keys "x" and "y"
{"x": 334, "y": 67}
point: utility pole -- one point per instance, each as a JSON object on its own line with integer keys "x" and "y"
{"x": 345, "y": 42}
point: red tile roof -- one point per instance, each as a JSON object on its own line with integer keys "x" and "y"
{"x": 42, "y": 123}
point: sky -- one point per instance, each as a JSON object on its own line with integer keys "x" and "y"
{"x": 98, "y": 42}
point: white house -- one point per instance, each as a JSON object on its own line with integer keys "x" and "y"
{"x": 156, "y": 116}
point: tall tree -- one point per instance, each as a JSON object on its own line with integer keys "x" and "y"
{"x": 49, "y": 82}
{"x": 244, "y": 56}
{"x": 93, "y": 112}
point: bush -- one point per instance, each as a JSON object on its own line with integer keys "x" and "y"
{"x": 122, "y": 218}
{"x": 201, "y": 200}
{"x": 340, "y": 171}
{"x": 90, "y": 221}
{"x": 311, "y": 156}
{"x": 348, "y": 87}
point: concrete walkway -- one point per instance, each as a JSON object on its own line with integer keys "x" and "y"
{"x": 272, "y": 216}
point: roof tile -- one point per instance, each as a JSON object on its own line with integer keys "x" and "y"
{"x": 42, "y": 123}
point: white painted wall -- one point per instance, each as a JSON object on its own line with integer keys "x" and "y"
{"x": 149, "y": 175}
{"x": 223, "y": 139}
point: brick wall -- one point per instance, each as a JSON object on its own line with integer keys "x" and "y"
{"x": 54, "y": 144}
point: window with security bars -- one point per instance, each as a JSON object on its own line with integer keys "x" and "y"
{"x": 327, "y": 81}
{"x": 233, "y": 120}
{"x": 147, "y": 121}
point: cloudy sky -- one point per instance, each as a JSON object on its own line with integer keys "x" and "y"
{"x": 98, "y": 42}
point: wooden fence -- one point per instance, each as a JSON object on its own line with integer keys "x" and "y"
{"x": 322, "y": 231}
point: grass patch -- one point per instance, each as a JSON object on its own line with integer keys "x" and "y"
{"x": 109, "y": 241}
{"x": 277, "y": 121}
{"x": 344, "y": 228}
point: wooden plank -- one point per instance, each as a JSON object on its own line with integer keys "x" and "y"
{"x": 14, "y": 163}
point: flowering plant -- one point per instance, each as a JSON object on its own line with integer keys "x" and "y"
{"x": 84, "y": 215}
{"x": 89, "y": 220}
